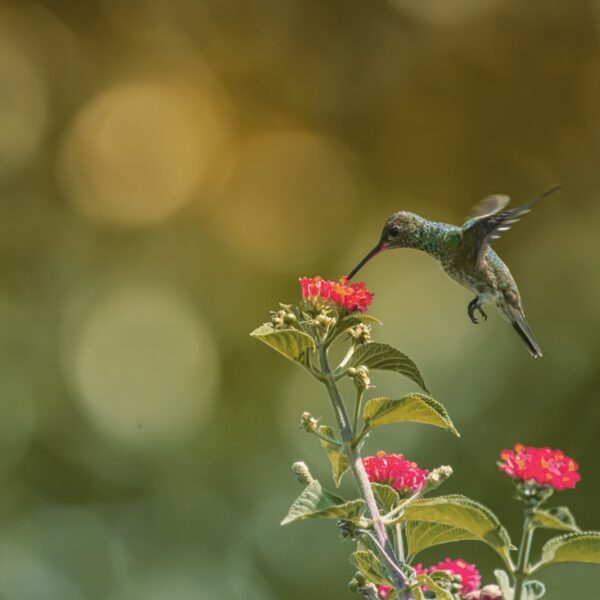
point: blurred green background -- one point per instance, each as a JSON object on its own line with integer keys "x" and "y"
{"x": 168, "y": 168}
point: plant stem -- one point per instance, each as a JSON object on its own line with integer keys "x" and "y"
{"x": 523, "y": 558}
{"x": 358, "y": 469}
{"x": 359, "y": 395}
{"x": 400, "y": 541}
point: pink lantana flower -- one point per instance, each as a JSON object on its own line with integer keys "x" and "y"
{"x": 544, "y": 466}
{"x": 383, "y": 591}
{"x": 350, "y": 296}
{"x": 469, "y": 574}
{"x": 401, "y": 474}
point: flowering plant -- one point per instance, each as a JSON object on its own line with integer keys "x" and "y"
{"x": 394, "y": 519}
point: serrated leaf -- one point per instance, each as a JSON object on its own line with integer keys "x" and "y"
{"x": 317, "y": 503}
{"x": 558, "y": 517}
{"x": 369, "y": 566}
{"x": 356, "y": 319}
{"x": 421, "y": 535}
{"x": 533, "y": 590}
{"x": 385, "y": 495}
{"x": 338, "y": 460}
{"x": 440, "y": 592}
{"x": 292, "y": 343}
{"x": 503, "y": 581}
{"x": 581, "y": 547}
{"x": 381, "y": 356}
{"x": 465, "y": 514}
{"x": 415, "y": 408}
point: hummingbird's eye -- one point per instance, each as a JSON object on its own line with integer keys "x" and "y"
{"x": 393, "y": 231}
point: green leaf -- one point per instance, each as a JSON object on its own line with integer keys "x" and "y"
{"x": 532, "y": 590}
{"x": 581, "y": 547}
{"x": 316, "y": 503}
{"x": 385, "y": 495}
{"x": 471, "y": 520}
{"x": 381, "y": 356}
{"x": 338, "y": 460}
{"x": 421, "y": 535}
{"x": 441, "y": 593}
{"x": 292, "y": 343}
{"x": 357, "y": 318}
{"x": 369, "y": 566}
{"x": 503, "y": 581}
{"x": 417, "y": 592}
{"x": 558, "y": 517}
{"x": 415, "y": 408}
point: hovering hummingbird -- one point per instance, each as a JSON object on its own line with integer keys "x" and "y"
{"x": 466, "y": 256}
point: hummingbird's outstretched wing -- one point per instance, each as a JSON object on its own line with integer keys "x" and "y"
{"x": 490, "y": 205}
{"x": 480, "y": 231}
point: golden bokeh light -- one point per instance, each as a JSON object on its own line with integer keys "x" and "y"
{"x": 143, "y": 365}
{"x": 140, "y": 151}
{"x": 288, "y": 186}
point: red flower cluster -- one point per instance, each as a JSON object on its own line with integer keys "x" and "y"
{"x": 470, "y": 577}
{"x": 353, "y": 296}
{"x": 401, "y": 474}
{"x": 547, "y": 467}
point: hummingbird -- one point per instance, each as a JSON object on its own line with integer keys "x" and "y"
{"x": 465, "y": 254}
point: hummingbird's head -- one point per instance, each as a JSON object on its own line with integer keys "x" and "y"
{"x": 400, "y": 231}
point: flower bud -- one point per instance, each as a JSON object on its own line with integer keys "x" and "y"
{"x": 436, "y": 477}
{"x": 302, "y": 473}
{"x": 360, "y": 334}
{"x": 283, "y": 318}
{"x": 308, "y": 422}
{"x": 456, "y": 584}
{"x": 491, "y": 592}
{"x": 360, "y": 376}
{"x": 324, "y": 321}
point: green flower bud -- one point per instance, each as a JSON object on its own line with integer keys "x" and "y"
{"x": 360, "y": 334}
{"x": 360, "y": 376}
{"x": 325, "y": 321}
{"x": 283, "y": 318}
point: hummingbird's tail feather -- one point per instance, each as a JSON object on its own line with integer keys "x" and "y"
{"x": 522, "y": 328}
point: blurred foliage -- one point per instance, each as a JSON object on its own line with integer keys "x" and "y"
{"x": 168, "y": 168}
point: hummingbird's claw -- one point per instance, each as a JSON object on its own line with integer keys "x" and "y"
{"x": 474, "y": 305}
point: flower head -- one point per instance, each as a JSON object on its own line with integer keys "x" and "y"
{"x": 544, "y": 466}
{"x": 383, "y": 591}
{"x": 350, "y": 296}
{"x": 401, "y": 474}
{"x": 470, "y": 577}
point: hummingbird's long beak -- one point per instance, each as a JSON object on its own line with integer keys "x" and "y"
{"x": 381, "y": 246}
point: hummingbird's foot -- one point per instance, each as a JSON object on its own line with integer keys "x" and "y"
{"x": 474, "y": 305}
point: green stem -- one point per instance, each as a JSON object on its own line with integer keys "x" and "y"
{"x": 523, "y": 558}
{"x": 356, "y": 464}
{"x": 326, "y": 438}
{"x": 359, "y": 396}
{"x": 400, "y": 541}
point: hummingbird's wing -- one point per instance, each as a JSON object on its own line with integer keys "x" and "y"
{"x": 480, "y": 231}
{"x": 489, "y": 206}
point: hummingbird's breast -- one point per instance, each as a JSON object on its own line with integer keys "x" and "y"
{"x": 480, "y": 280}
